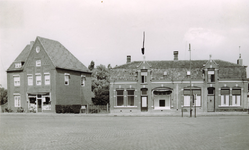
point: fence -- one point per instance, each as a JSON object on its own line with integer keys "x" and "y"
{"x": 97, "y": 109}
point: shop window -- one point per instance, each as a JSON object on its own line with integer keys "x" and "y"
{"x": 211, "y": 76}
{"x": 120, "y": 97}
{"x": 143, "y": 77}
{"x": 17, "y": 80}
{"x": 47, "y": 79}
{"x": 224, "y": 98}
{"x": 46, "y": 103}
{"x": 236, "y": 96}
{"x": 130, "y": 97}
{"x": 30, "y": 79}
{"x": 38, "y": 79}
{"x": 17, "y": 99}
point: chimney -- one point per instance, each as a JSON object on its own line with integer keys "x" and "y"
{"x": 240, "y": 60}
{"x": 31, "y": 44}
{"x": 128, "y": 59}
{"x": 175, "y": 55}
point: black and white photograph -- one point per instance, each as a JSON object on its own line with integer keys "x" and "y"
{"x": 128, "y": 75}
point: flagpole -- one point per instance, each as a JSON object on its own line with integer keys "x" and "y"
{"x": 190, "y": 110}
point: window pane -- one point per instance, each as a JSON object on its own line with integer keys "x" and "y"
{"x": 225, "y": 92}
{"x": 211, "y": 90}
{"x": 120, "y": 92}
{"x": 47, "y": 79}
{"x": 236, "y": 92}
{"x": 30, "y": 80}
{"x": 130, "y": 92}
{"x": 38, "y": 80}
{"x": 120, "y": 100}
{"x": 130, "y": 100}
{"x": 186, "y": 100}
{"x": 144, "y": 92}
{"x": 161, "y": 103}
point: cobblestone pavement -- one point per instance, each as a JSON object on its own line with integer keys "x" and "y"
{"x": 64, "y": 132}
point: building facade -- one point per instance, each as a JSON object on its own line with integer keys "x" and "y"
{"x": 153, "y": 86}
{"x": 46, "y": 74}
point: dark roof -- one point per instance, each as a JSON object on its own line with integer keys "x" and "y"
{"x": 22, "y": 57}
{"x": 176, "y": 70}
{"x": 176, "y": 64}
{"x": 59, "y": 55}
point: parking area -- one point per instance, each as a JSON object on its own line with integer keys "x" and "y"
{"x": 63, "y": 132}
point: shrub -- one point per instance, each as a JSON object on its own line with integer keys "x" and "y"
{"x": 76, "y": 108}
{"x": 20, "y": 109}
{"x": 58, "y": 108}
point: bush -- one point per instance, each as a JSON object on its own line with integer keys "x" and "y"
{"x": 8, "y": 110}
{"x": 58, "y": 108}
{"x": 67, "y": 108}
{"x": 20, "y": 109}
{"x": 76, "y": 108}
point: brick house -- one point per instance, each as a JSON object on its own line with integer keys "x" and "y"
{"x": 46, "y": 74}
{"x": 151, "y": 86}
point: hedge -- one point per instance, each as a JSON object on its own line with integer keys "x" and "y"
{"x": 68, "y": 108}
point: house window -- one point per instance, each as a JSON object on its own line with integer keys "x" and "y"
{"x": 211, "y": 77}
{"x": 38, "y": 63}
{"x": 196, "y": 101}
{"x": 18, "y": 65}
{"x": 17, "y": 99}
{"x": 83, "y": 80}
{"x": 143, "y": 77}
{"x": 130, "y": 97}
{"x": 47, "y": 79}
{"x": 236, "y": 95}
{"x": 161, "y": 103}
{"x": 30, "y": 79}
{"x": 224, "y": 98}
{"x": 17, "y": 80}
{"x": 38, "y": 79}
{"x": 120, "y": 97}
{"x": 66, "y": 78}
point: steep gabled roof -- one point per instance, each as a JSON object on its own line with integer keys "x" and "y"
{"x": 22, "y": 57}
{"x": 59, "y": 55}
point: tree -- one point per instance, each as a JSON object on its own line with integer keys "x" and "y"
{"x": 91, "y": 66}
{"x": 100, "y": 85}
{"x": 3, "y": 96}
{"x": 109, "y": 66}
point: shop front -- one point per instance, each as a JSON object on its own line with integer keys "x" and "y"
{"x": 39, "y": 102}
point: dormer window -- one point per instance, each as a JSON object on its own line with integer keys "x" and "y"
{"x": 38, "y": 63}
{"x": 211, "y": 76}
{"x": 18, "y": 65}
{"x": 143, "y": 77}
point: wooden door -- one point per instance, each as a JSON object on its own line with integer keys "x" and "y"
{"x": 210, "y": 103}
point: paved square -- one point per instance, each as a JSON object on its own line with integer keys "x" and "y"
{"x": 64, "y": 132}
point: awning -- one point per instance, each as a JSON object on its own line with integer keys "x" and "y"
{"x": 37, "y": 93}
{"x": 161, "y": 89}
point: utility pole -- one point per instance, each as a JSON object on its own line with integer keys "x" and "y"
{"x": 190, "y": 110}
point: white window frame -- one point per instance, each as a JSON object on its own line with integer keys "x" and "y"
{"x": 16, "y": 79}
{"x": 38, "y": 63}
{"x": 18, "y": 65}
{"x": 38, "y": 79}
{"x": 46, "y": 78}
{"x": 224, "y": 100}
{"x": 66, "y": 78}
{"x": 236, "y": 98}
{"x": 17, "y": 100}
{"x": 30, "y": 79}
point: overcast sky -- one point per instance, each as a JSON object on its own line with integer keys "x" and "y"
{"x": 106, "y": 31}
